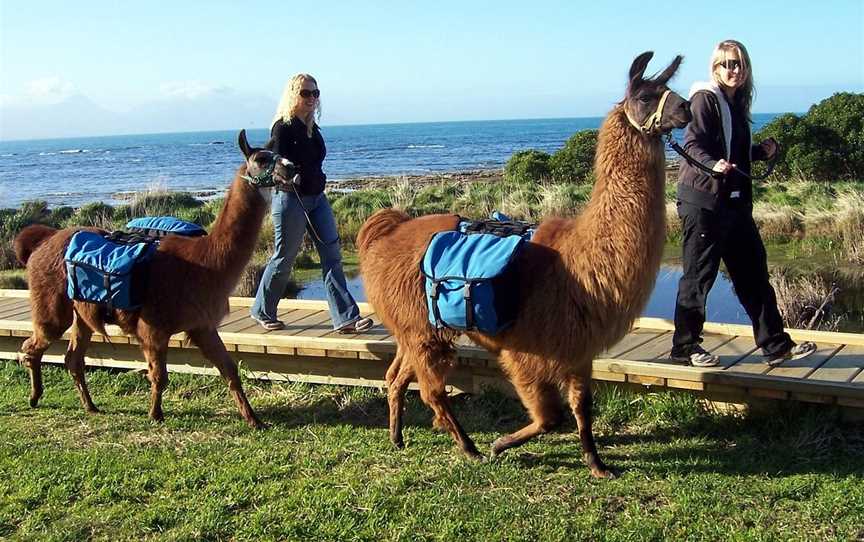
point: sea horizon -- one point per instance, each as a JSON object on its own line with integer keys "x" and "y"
{"x": 73, "y": 171}
{"x": 325, "y": 126}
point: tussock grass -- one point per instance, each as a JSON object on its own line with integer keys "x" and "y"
{"x": 800, "y": 299}
{"x": 779, "y": 223}
{"x": 326, "y": 471}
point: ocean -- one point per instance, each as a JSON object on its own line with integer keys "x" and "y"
{"x": 75, "y": 171}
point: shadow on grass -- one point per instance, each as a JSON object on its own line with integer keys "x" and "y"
{"x": 667, "y": 434}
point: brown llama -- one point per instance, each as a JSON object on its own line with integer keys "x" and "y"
{"x": 582, "y": 281}
{"x": 190, "y": 279}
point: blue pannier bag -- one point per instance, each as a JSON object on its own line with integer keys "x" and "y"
{"x": 160, "y": 226}
{"x": 108, "y": 269}
{"x": 470, "y": 282}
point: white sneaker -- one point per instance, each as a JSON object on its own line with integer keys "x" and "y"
{"x": 798, "y": 351}
{"x": 696, "y": 356}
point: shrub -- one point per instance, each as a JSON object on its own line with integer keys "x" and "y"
{"x": 575, "y": 161}
{"x": 435, "y": 199}
{"x": 826, "y": 144}
{"x": 527, "y": 166}
{"x": 98, "y": 214}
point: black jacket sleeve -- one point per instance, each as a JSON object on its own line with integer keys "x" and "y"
{"x": 703, "y": 131}
{"x": 280, "y": 138}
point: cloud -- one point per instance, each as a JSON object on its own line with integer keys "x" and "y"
{"x": 48, "y": 90}
{"x": 190, "y": 90}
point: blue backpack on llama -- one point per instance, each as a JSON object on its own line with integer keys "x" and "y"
{"x": 470, "y": 281}
{"x": 111, "y": 269}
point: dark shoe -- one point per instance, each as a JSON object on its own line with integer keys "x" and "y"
{"x": 695, "y": 355}
{"x": 357, "y": 326}
{"x": 270, "y": 325}
{"x": 797, "y": 351}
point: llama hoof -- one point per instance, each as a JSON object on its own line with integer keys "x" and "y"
{"x": 259, "y": 425}
{"x": 33, "y": 402}
{"x": 498, "y": 447}
{"x": 474, "y": 455}
{"x": 157, "y": 417}
{"x": 398, "y": 443}
{"x": 92, "y": 409}
{"x": 604, "y": 473}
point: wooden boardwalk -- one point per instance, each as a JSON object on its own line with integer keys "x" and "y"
{"x": 308, "y": 350}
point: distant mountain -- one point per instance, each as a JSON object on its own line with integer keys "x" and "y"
{"x": 80, "y": 116}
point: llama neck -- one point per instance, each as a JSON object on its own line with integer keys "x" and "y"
{"x": 232, "y": 239}
{"x": 619, "y": 237}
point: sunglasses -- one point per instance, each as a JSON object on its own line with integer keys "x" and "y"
{"x": 732, "y": 64}
{"x": 306, "y": 93}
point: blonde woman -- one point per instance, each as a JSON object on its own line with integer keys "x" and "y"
{"x": 716, "y": 214}
{"x": 295, "y": 135}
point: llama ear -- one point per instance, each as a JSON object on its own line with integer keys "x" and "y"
{"x": 269, "y": 145}
{"x": 637, "y": 69}
{"x": 244, "y": 144}
{"x": 667, "y": 74}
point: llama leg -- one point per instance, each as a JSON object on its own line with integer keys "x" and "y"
{"x": 52, "y": 315}
{"x": 155, "y": 352}
{"x": 543, "y": 403}
{"x": 580, "y": 402}
{"x": 214, "y": 350}
{"x": 399, "y": 375}
{"x": 30, "y": 356}
{"x": 74, "y": 361}
{"x": 431, "y": 373}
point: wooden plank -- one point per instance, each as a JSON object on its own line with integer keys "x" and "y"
{"x": 732, "y": 352}
{"x": 636, "y": 337}
{"x": 842, "y": 367}
{"x": 14, "y": 293}
{"x": 6, "y": 302}
{"x": 798, "y": 335}
{"x": 657, "y": 347}
{"x": 13, "y": 311}
{"x": 800, "y": 368}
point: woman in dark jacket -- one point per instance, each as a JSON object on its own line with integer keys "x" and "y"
{"x": 716, "y": 214}
{"x": 295, "y": 136}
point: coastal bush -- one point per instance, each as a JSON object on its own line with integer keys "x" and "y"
{"x": 825, "y": 144}
{"x": 528, "y": 166}
{"x": 351, "y": 210}
{"x": 96, "y": 214}
{"x": 437, "y": 198}
{"x": 403, "y": 195}
{"x": 574, "y": 162}
{"x": 480, "y": 199}
{"x": 159, "y": 203}
{"x": 562, "y": 199}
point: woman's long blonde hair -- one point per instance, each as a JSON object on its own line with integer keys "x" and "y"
{"x": 744, "y": 94}
{"x": 290, "y": 102}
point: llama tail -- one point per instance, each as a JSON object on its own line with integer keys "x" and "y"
{"x": 378, "y": 225}
{"x": 29, "y": 239}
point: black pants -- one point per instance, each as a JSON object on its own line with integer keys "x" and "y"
{"x": 730, "y": 235}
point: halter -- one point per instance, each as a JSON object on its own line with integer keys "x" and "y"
{"x": 265, "y": 178}
{"x": 652, "y": 124}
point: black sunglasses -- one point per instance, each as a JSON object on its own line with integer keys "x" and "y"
{"x": 306, "y": 93}
{"x": 732, "y": 64}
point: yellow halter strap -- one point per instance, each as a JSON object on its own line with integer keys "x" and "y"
{"x": 652, "y": 123}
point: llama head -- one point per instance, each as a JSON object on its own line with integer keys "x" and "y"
{"x": 649, "y": 105}
{"x": 264, "y": 168}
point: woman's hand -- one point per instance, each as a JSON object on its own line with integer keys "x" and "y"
{"x": 770, "y": 148}
{"x": 722, "y": 166}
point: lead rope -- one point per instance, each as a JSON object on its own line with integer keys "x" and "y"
{"x": 695, "y": 163}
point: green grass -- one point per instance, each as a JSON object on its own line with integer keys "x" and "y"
{"x": 326, "y": 471}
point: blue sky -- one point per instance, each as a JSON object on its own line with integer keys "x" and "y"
{"x": 82, "y": 68}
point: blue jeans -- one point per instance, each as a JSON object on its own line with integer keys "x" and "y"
{"x": 289, "y": 225}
